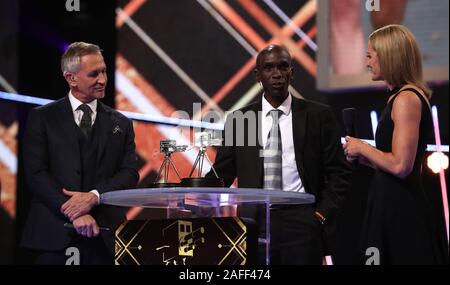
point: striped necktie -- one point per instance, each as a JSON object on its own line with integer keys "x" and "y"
{"x": 272, "y": 154}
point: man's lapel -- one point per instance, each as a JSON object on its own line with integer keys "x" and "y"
{"x": 68, "y": 128}
{"x": 255, "y": 152}
{"x": 299, "y": 125}
{"x": 104, "y": 128}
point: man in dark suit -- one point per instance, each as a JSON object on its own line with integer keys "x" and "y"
{"x": 75, "y": 149}
{"x": 308, "y": 159}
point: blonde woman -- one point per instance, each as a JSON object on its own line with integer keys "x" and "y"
{"x": 399, "y": 223}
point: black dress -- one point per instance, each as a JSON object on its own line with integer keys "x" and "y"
{"x": 399, "y": 221}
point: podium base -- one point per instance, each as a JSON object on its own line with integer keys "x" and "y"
{"x": 201, "y": 241}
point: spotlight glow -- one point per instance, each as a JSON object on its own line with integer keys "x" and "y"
{"x": 437, "y": 161}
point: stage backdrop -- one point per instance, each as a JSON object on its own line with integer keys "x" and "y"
{"x": 344, "y": 26}
{"x": 8, "y": 126}
{"x": 173, "y": 54}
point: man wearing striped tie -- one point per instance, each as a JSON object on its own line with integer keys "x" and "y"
{"x": 292, "y": 145}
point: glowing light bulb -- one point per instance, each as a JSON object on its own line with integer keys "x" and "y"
{"x": 437, "y": 161}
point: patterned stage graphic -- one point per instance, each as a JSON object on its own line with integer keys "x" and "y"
{"x": 201, "y": 241}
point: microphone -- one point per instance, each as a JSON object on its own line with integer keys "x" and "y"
{"x": 349, "y": 118}
{"x": 70, "y": 226}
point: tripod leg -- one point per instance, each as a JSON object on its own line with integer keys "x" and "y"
{"x": 212, "y": 167}
{"x": 195, "y": 165}
{"x": 201, "y": 165}
{"x": 160, "y": 169}
{"x": 174, "y": 168}
{"x": 166, "y": 176}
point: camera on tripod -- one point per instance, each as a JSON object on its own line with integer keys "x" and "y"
{"x": 167, "y": 147}
{"x": 170, "y": 146}
{"x": 205, "y": 139}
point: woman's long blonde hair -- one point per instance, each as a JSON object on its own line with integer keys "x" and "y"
{"x": 399, "y": 56}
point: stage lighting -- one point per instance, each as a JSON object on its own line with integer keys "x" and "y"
{"x": 437, "y": 161}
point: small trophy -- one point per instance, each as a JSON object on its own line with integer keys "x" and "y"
{"x": 167, "y": 147}
{"x": 202, "y": 141}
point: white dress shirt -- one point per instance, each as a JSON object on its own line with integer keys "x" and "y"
{"x": 78, "y": 114}
{"x": 291, "y": 178}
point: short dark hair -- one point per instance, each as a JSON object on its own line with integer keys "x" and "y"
{"x": 270, "y": 49}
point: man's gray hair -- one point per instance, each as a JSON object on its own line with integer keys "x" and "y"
{"x": 70, "y": 60}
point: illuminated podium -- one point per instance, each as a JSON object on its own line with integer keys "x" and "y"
{"x": 212, "y": 237}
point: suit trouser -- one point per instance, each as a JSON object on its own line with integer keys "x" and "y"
{"x": 296, "y": 235}
{"x": 92, "y": 251}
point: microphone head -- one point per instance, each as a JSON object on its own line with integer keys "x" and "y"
{"x": 349, "y": 118}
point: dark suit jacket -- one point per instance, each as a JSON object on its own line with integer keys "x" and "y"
{"x": 52, "y": 162}
{"x": 319, "y": 156}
